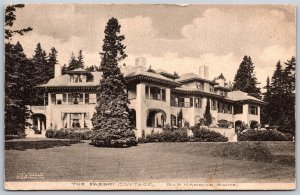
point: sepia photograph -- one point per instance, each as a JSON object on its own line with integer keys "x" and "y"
{"x": 150, "y": 96}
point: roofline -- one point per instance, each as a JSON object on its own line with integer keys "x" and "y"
{"x": 216, "y": 87}
{"x": 152, "y": 79}
{"x": 169, "y": 75}
{"x": 197, "y": 92}
{"x": 199, "y": 79}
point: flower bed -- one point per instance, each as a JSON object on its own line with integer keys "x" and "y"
{"x": 69, "y": 133}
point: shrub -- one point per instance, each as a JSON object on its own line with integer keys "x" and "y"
{"x": 168, "y": 135}
{"x": 121, "y": 139}
{"x": 264, "y": 135}
{"x": 69, "y": 133}
{"x": 203, "y": 134}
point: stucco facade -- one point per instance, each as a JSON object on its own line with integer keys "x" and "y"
{"x": 157, "y": 98}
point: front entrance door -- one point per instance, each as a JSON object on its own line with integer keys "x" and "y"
{"x": 75, "y": 123}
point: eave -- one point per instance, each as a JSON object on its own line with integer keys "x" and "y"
{"x": 139, "y": 78}
{"x": 198, "y": 79}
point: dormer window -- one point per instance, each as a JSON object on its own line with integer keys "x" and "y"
{"x": 78, "y": 78}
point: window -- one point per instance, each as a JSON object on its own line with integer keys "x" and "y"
{"x": 75, "y": 98}
{"x": 59, "y": 98}
{"x": 211, "y": 88}
{"x": 173, "y": 120}
{"x": 53, "y": 98}
{"x": 92, "y": 98}
{"x": 214, "y": 105}
{"x": 225, "y": 108}
{"x": 222, "y": 92}
{"x": 147, "y": 92}
{"x": 253, "y": 110}
{"x": 86, "y": 98}
{"x": 65, "y": 100}
{"x": 198, "y": 102}
{"x": 174, "y": 101}
{"x": 191, "y": 102}
{"x": 155, "y": 93}
{"x": 77, "y": 78}
{"x": 220, "y": 108}
{"x": 180, "y": 102}
{"x": 238, "y": 109}
{"x": 163, "y": 94}
{"x": 200, "y": 86}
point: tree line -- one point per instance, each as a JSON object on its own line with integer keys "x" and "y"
{"x": 23, "y": 74}
{"x": 279, "y": 92}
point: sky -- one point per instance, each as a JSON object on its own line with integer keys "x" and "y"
{"x": 170, "y": 37}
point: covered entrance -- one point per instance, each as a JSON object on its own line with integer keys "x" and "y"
{"x": 156, "y": 118}
{"x": 38, "y": 123}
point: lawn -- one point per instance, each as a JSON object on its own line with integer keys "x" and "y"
{"x": 198, "y": 162}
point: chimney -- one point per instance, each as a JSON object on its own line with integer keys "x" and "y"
{"x": 140, "y": 61}
{"x": 57, "y": 70}
{"x": 204, "y": 72}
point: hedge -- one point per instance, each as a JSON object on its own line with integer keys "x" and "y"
{"x": 69, "y": 133}
{"x": 201, "y": 134}
{"x": 264, "y": 135}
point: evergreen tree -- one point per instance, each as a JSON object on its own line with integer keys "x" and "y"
{"x": 80, "y": 60}
{"x": 40, "y": 70}
{"x": 207, "y": 114}
{"x": 16, "y": 86}
{"x": 93, "y": 68}
{"x": 64, "y": 69}
{"x": 179, "y": 118}
{"x": 111, "y": 120}
{"x": 282, "y": 97}
{"x": 52, "y": 60}
{"x": 76, "y": 62}
{"x": 16, "y": 82}
{"x": 266, "y": 109}
{"x": 73, "y": 63}
{"x": 245, "y": 79}
{"x": 10, "y": 17}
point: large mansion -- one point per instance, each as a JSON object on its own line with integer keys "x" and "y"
{"x": 156, "y": 99}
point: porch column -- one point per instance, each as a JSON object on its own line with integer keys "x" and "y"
{"x": 43, "y": 125}
{"x": 140, "y": 109}
{"x": 81, "y": 121}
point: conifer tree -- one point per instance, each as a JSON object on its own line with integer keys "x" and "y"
{"x": 16, "y": 82}
{"x": 266, "y": 109}
{"x": 207, "y": 114}
{"x": 52, "y": 60}
{"x": 73, "y": 63}
{"x": 80, "y": 60}
{"x": 111, "y": 121}
{"x": 245, "y": 79}
{"x": 40, "y": 70}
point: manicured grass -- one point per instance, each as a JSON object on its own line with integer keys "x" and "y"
{"x": 24, "y": 145}
{"x": 195, "y": 162}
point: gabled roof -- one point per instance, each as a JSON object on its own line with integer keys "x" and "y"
{"x": 193, "y": 77}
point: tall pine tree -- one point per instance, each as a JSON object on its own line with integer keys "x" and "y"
{"x": 40, "y": 70}
{"x": 111, "y": 121}
{"x": 207, "y": 114}
{"x": 52, "y": 60}
{"x": 266, "y": 110}
{"x": 245, "y": 79}
{"x": 16, "y": 82}
{"x": 76, "y": 62}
